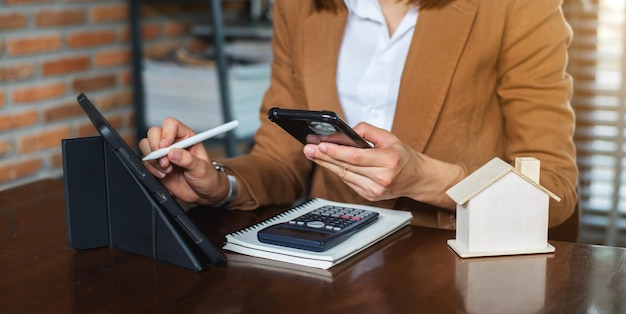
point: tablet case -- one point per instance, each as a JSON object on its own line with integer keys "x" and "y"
{"x": 106, "y": 207}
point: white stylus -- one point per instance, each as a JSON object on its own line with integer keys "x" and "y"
{"x": 200, "y": 137}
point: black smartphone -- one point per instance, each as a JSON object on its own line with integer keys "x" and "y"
{"x": 313, "y": 127}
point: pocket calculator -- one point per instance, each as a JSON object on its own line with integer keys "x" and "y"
{"x": 319, "y": 229}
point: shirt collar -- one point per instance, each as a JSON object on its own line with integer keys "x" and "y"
{"x": 366, "y": 9}
{"x": 370, "y": 9}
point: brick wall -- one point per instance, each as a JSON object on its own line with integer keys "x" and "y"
{"x": 50, "y": 51}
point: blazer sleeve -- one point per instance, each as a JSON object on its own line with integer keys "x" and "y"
{"x": 535, "y": 92}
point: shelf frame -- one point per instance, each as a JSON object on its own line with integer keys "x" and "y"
{"x": 215, "y": 11}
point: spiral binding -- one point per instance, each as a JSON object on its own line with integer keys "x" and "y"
{"x": 272, "y": 220}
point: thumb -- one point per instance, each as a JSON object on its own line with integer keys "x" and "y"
{"x": 193, "y": 166}
{"x": 377, "y": 136}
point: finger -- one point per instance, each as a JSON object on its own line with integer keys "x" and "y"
{"x": 360, "y": 179}
{"x": 357, "y": 158}
{"x": 362, "y": 185}
{"x": 152, "y": 166}
{"x": 144, "y": 146}
{"x": 320, "y": 155}
{"x": 345, "y": 171}
{"x": 377, "y": 136}
{"x": 313, "y": 139}
{"x": 153, "y": 138}
{"x": 172, "y": 131}
{"x": 342, "y": 170}
{"x": 158, "y": 168}
{"x": 194, "y": 167}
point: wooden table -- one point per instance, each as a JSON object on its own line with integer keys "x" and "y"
{"x": 413, "y": 271}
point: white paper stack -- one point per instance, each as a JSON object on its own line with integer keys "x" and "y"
{"x": 191, "y": 94}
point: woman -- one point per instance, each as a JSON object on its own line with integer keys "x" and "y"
{"x": 439, "y": 87}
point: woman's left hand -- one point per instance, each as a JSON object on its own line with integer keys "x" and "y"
{"x": 390, "y": 169}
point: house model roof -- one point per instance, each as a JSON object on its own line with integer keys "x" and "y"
{"x": 485, "y": 176}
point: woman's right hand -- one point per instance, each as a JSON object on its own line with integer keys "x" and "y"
{"x": 187, "y": 173}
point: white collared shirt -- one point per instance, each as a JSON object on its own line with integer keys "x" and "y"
{"x": 371, "y": 63}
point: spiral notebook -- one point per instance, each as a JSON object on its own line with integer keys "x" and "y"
{"x": 245, "y": 241}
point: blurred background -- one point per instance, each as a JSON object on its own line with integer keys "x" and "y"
{"x": 208, "y": 61}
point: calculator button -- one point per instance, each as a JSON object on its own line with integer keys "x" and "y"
{"x": 331, "y": 218}
{"x": 315, "y": 224}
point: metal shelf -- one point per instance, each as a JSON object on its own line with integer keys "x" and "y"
{"x": 218, "y": 32}
{"x": 258, "y": 30}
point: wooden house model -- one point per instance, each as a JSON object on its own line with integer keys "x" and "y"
{"x": 501, "y": 210}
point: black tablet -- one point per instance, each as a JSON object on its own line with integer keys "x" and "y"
{"x": 166, "y": 204}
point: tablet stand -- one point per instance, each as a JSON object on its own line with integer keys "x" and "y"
{"x": 107, "y": 207}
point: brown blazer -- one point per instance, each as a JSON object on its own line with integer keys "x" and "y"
{"x": 483, "y": 78}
